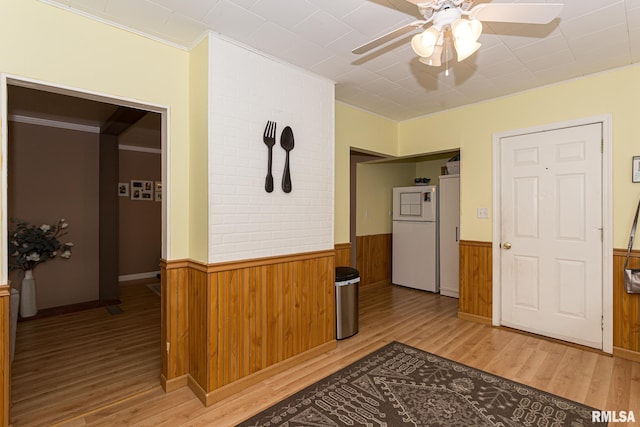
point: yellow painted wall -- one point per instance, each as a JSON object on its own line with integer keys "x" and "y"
{"x": 374, "y": 186}
{"x": 471, "y": 128}
{"x": 50, "y": 44}
{"x": 362, "y": 131}
{"x": 61, "y": 48}
{"x": 374, "y": 194}
{"x": 432, "y": 168}
{"x": 199, "y": 58}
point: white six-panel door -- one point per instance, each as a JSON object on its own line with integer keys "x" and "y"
{"x": 551, "y": 249}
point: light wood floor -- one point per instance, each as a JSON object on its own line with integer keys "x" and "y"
{"x": 391, "y": 313}
{"x": 70, "y": 364}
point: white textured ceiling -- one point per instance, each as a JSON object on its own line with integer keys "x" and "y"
{"x": 590, "y": 36}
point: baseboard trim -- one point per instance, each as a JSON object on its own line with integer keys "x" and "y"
{"x": 452, "y": 294}
{"x": 475, "y": 318}
{"x": 623, "y": 353}
{"x": 174, "y": 383}
{"x": 386, "y": 282}
{"x": 196, "y": 389}
{"x": 138, "y": 276}
{"x": 71, "y": 308}
{"x": 228, "y": 390}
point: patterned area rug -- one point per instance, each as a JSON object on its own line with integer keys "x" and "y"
{"x": 399, "y": 385}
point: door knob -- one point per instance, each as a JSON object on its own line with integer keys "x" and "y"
{"x": 506, "y": 245}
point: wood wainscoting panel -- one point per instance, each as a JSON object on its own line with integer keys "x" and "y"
{"x": 373, "y": 258}
{"x": 626, "y": 307}
{"x": 269, "y": 313}
{"x": 343, "y": 254}
{"x": 476, "y": 283}
{"x": 5, "y": 356}
{"x": 224, "y": 324}
{"x": 175, "y": 278}
{"x": 199, "y": 327}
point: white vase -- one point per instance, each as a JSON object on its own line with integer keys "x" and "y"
{"x": 28, "y": 306}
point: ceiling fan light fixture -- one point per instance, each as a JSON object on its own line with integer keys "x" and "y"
{"x": 456, "y": 26}
{"x": 466, "y": 31}
{"x": 465, "y": 36}
{"x": 466, "y": 50}
{"x": 435, "y": 60}
{"x": 424, "y": 43}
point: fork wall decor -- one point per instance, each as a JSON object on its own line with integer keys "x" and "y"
{"x": 287, "y": 144}
{"x": 269, "y": 139}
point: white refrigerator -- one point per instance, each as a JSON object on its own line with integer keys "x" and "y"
{"x": 415, "y": 238}
{"x": 449, "y": 234}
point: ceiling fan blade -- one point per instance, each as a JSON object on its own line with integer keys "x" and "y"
{"x": 520, "y": 13}
{"x": 388, "y": 37}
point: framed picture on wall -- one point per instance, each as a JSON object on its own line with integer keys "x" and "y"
{"x": 123, "y": 189}
{"x": 635, "y": 169}
{"x": 141, "y": 190}
{"x": 158, "y": 191}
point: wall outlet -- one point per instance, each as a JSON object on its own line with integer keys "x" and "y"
{"x": 483, "y": 212}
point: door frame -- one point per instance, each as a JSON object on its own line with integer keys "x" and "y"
{"x": 10, "y": 79}
{"x": 607, "y": 218}
{"x": 7, "y": 79}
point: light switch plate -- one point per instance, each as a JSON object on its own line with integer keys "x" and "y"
{"x": 483, "y": 212}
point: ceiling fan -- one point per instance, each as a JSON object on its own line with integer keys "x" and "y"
{"x": 455, "y": 22}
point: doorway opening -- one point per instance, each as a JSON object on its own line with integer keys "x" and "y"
{"x": 373, "y": 177}
{"x": 86, "y": 136}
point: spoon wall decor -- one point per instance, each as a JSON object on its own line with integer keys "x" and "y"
{"x": 287, "y": 143}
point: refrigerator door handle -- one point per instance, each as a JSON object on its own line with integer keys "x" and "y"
{"x": 456, "y": 234}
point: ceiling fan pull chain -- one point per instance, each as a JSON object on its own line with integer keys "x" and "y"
{"x": 446, "y": 59}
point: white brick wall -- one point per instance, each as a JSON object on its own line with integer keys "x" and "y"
{"x": 245, "y": 221}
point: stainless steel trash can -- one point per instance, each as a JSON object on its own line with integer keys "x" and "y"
{"x": 347, "y": 280}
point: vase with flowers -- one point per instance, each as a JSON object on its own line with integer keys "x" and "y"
{"x": 29, "y": 246}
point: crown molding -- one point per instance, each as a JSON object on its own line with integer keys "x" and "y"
{"x": 139, "y": 149}
{"x": 53, "y": 123}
